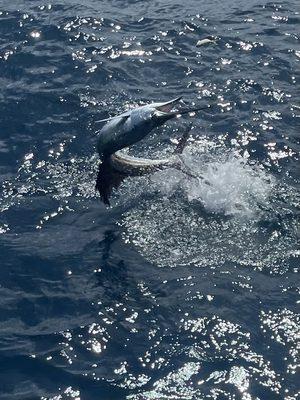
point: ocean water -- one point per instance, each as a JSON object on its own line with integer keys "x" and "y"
{"x": 186, "y": 287}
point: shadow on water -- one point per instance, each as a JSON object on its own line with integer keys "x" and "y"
{"x": 114, "y": 275}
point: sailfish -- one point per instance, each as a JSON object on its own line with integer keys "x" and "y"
{"x": 126, "y": 129}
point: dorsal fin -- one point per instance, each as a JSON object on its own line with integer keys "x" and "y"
{"x": 122, "y": 117}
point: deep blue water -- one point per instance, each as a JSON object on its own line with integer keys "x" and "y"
{"x": 184, "y": 288}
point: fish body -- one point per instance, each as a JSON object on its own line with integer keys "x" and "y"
{"x": 116, "y": 167}
{"x": 123, "y": 131}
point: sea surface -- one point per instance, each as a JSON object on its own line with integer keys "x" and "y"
{"x": 186, "y": 287}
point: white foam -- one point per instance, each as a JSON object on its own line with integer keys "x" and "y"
{"x": 225, "y": 183}
{"x": 231, "y": 186}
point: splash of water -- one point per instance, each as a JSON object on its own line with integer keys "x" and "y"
{"x": 224, "y": 183}
{"x": 226, "y": 209}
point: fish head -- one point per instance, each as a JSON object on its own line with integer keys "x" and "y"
{"x": 149, "y": 116}
{"x": 163, "y": 112}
